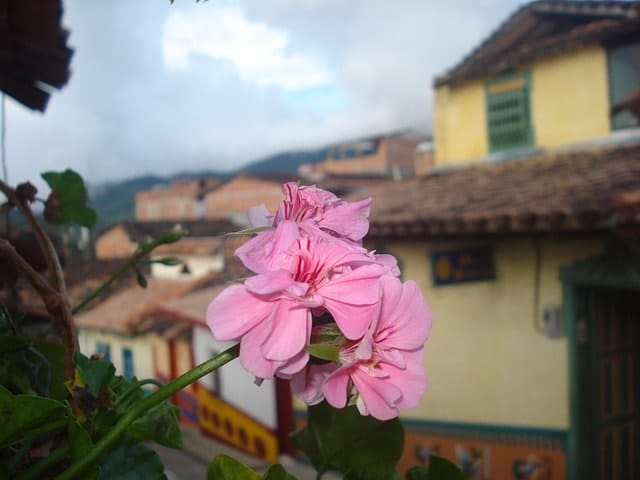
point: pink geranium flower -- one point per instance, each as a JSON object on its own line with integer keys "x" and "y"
{"x": 314, "y": 212}
{"x": 384, "y": 369}
{"x": 272, "y": 312}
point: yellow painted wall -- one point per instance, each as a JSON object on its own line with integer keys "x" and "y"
{"x": 569, "y": 103}
{"x": 460, "y": 126}
{"x": 570, "y": 97}
{"x": 223, "y": 420}
{"x": 485, "y": 361}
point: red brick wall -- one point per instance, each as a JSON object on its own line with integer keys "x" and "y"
{"x": 241, "y": 193}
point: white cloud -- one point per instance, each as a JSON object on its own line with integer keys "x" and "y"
{"x": 258, "y": 52}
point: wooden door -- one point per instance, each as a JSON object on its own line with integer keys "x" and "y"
{"x": 616, "y": 375}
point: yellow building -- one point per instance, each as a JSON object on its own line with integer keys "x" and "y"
{"x": 525, "y": 241}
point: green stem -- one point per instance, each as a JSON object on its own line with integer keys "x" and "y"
{"x": 45, "y": 464}
{"x": 135, "y": 386}
{"x": 142, "y": 251}
{"x": 147, "y": 403}
{"x": 101, "y": 289}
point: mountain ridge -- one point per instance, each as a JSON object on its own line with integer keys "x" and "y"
{"x": 115, "y": 201}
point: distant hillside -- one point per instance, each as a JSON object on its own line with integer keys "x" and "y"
{"x": 287, "y": 162}
{"x": 115, "y": 201}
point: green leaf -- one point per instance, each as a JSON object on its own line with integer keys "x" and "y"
{"x": 54, "y": 352}
{"x": 324, "y": 352}
{"x": 22, "y": 414}
{"x": 14, "y": 373}
{"x": 80, "y": 445}
{"x": 347, "y": 441}
{"x": 132, "y": 463}
{"x": 370, "y": 474}
{"x": 96, "y": 373}
{"x": 442, "y": 469}
{"x": 9, "y": 343}
{"x": 277, "y": 472}
{"x": 72, "y": 194}
{"x": 417, "y": 473}
{"x": 142, "y": 281}
{"x": 223, "y": 467}
{"x": 160, "y": 424}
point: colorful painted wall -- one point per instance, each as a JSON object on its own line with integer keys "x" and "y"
{"x": 569, "y": 103}
{"x": 489, "y": 454}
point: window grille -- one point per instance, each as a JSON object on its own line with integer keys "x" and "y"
{"x": 509, "y": 113}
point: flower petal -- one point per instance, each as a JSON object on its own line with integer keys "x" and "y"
{"x": 404, "y": 314}
{"x": 353, "y": 299}
{"x": 235, "y": 311}
{"x": 269, "y": 282}
{"x": 379, "y": 397}
{"x": 335, "y": 388}
{"x": 308, "y": 383}
{"x": 411, "y": 380}
{"x": 290, "y": 331}
{"x": 262, "y": 252}
{"x": 251, "y": 358}
{"x": 259, "y": 216}
{"x": 347, "y": 219}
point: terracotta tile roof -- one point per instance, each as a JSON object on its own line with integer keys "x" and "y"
{"x": 194, "y": 228}
{"x": 591, "y": 189}
{"x": 546, "y": 28}
{"x": 192, "y": 307}
{"x": 122, "y": 311}
{"x": 342, "y": 185}
{"x": 168, "y": 308}
{"x": 34, "y": 56}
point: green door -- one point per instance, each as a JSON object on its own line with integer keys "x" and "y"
{"x": 615, "y": 373}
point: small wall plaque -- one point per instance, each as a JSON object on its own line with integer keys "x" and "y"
{"x": 462, "y": 266}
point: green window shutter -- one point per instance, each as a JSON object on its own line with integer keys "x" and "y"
{"x": 508, "y": 116}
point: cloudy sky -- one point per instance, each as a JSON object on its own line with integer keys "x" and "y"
{"x": 159, "y": 88}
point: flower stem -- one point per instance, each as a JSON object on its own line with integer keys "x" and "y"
{"x": 45, "y": 464}
{"x": 147, "y": 403}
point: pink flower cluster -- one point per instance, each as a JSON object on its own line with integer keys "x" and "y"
{"x": 324, "y": 312}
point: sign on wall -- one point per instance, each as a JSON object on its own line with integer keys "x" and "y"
{"x": 462, "y": 266}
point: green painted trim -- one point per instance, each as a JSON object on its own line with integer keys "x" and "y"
{"x": 568, "y": 309}
{"x": 486, "y": 429}
{"x": 616, "y": 268}
{"x": 530, "y": 141}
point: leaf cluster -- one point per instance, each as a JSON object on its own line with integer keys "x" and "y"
{"x": 66, "y": 425}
